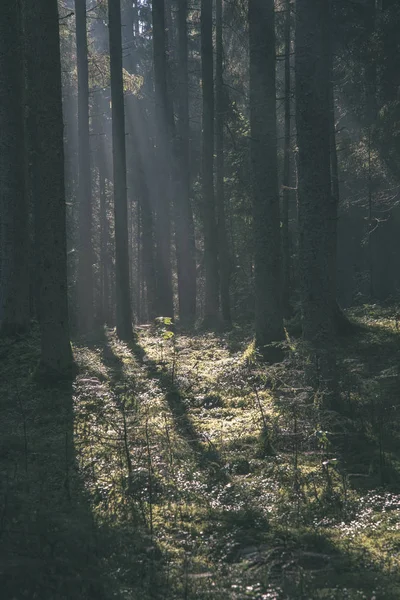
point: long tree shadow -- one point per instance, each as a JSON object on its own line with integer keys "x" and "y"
{"x": 206, "y": 453}
{"x": 50, "y": 546}
{"x": 371, "y": 388}
{"x": 239, "y": 530}
{"x": 58, "y": 538}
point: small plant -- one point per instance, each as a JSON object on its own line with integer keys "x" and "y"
{"x": 165, "y": 334}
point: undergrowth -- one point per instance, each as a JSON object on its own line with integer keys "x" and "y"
{"x": 183, "y": 468}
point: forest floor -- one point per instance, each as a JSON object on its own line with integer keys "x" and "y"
{"x": 182, "y": 468}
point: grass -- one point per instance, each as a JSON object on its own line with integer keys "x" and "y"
{"x": 182, "y": 468}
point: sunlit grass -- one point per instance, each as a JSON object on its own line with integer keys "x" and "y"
{"x": 204, "y": 476}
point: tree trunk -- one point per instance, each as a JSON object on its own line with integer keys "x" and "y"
{"x": 123, "y": 303}
{"x": 264, "y": 171}
{"x": 286, "y": 193}
{"x": 223, "y": 250}
{"x": 185, "y": 239}
{"x": 14, "y": 234}
{"x": 164, "y": 149}
{"x": 317, "y": 209}
{"x": 85, "y": 254}
{"x": 104, "y": 293}
{"x": 43, "y": 39}
{"x": 211, "y": 307}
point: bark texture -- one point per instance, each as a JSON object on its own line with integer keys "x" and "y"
{"x": 14, "y": 229}
{"x": 317, "y": 207}
{"x": 223, "y": 249}
{"x": 123, "y": 303}
{"x": 163, "y": 157}
{"x": 211, "y": 308}
{"x": 41, "y": 28}
{"x": 264, "y": 173}
{"x": 286, "y": 193}
{"x": 185, "y": 239}
{"x": 85, "y": 256}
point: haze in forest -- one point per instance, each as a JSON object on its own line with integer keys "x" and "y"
{"x": 199, "y": 299}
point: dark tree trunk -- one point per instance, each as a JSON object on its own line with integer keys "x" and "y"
{"x": 165, "y": 303}
{"x": 264, "y": 171}
{"x": 317, "y": 209}
{"x": 223, "y": 250}
{"x": 85, "y": 254}
{"x": 185, "y": 239}
{"x": 286, "y": 192}
{"x": 42, "y": 34}
{"x": 343, "y": 326}
{"x": 211, "y": 307}
{"x": 104, "y": 241}
{"x": 14, "y": 224}
{"x": 123, "y": 303}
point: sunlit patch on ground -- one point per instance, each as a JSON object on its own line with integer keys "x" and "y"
{"x": 194, "y": 473}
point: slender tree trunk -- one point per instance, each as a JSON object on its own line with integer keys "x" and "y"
{"x": 136, "y": 119}
{"x": 123, "y": 303}
{"x": 342, "y": 324}
{"x": 14, "y": 223}
{"x": 147, "y": 229}
{"x": 42, "y": 35}
{"x": 223, "y": 249}
{"x": 264, "y": 171}
{"x": 211, "y": 305}
{"x": 164, "y": 150}
{"x": 85, "y": 255}
{"x": 185, "y": 239}
{"x": 286, "y": 193}
{"x": 104, "y": 299}
{"x": 317, "y": 210}
{"x": 371, "y": 114}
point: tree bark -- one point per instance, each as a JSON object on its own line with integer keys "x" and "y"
{"x": 317, "y": 208}
{"x": 85, "y": 255}
{"x": 185, "y": 239}
{"x": 163, "y": 157}
{"x": 42, "y": 33}
{"x": 223, "y": 249}
{"x": 286, "y": 193}
{"x": 123, "y": 303}
{"x": 211, "y": 305}
{"x": 104, "y": 260}
{"x": 14, "y": 233}
{"x": 264, "y": 172}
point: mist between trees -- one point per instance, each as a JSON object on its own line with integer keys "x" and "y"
{"x": 173, "y": 173}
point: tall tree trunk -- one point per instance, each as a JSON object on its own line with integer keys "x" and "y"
{"x": 14, "y": 234}
{"x": 123, "y": 303}
{"x": 43, "y": 39}
{"x": 317, "y": 211}
{"x": 104, "y": 286}
{"x": 211, "y": 305}
{"x": 223, "y": 250}
{"x": 286, "y": 193}
{"x": 264, "y": 171}
{"x": 164, "y": 149}
{"x": 185, "y": 239}
{"x": 371, "y": 115}
{"x": 85, "y": 254}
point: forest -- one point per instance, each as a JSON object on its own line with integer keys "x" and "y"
{"x": 199, "y": 299}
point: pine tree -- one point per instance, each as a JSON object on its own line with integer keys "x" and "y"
{"x": 264, "y": 172}
{"x": 41, "y": 28}
{"x": 317, "y": 208}
{"x": 211, "y": 310}
{"x": 14, "y": 230}
{"x": 123, "y": 303}
{"x": 85, "y": 257}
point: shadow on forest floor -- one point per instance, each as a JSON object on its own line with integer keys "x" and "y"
{"x": 149, "y": 476}
{"x": 49, "y": 543}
